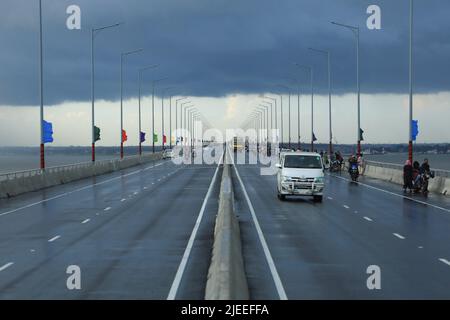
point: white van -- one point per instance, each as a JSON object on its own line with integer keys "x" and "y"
{"x": 300, "y": 174}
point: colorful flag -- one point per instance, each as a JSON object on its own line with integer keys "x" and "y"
{"x": 361, "y": 132}
{"x": 314, "y": 137}
{"x": 142, "y": 136}
{"x": 164, "y": 139}
{"x": 124, "y": 136}
{"x": 96, "y": 133}
{"x": 415, "y": 129}
{"x": 48, "y": 131}
{"x": 155, "y": 137}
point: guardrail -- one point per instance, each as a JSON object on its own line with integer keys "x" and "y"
{"x": 15, "y": 183}
{"x": 438, "y": 172}
{"x": 59, "y": 169}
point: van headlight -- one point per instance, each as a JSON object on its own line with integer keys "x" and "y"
{"x": 319, "y": 180}
{"x": 286, "y": 179}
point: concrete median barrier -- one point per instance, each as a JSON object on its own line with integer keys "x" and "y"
{"x": 17, "y": 183}
{"x": 226, "y": 276}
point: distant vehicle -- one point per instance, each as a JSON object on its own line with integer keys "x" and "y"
{"x": 238, "y": 144}
{"x": 168, "y": 154}
{"x": 300, "y": 174}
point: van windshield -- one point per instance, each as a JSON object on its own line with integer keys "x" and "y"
{"x": 302, "y": 162}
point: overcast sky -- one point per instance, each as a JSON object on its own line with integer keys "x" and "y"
{"x": 226, "y": 52}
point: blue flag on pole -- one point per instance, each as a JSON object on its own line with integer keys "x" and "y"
{"x": 142, "y": 136}
{"x": 48, "y": 131}
{"x": 415, "y": 129}
{"x": 314, "y": 137}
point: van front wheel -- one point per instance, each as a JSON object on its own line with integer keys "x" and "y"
{"x": 318, "y": 198}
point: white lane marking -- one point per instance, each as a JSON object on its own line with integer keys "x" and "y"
{"x": 399, "y": 236}
{"x": 441, "y": 260}
{"x": 273, "y": 269}
{"x": 145, "y": 188}
{"x": 179, "y": 275}
{"x": 54, "y": 238}
{"x": 330, "y": 198}
{"x": 356, "y": 211}
{"x": 159, "y": 180}
{"x": 420, "y": 247}
{"x": 32, "y": 250}
{"x": 368, "y": 219}
{"x": 107, "y": 209}
{"x": 136, "y": 193}
{"x": 76, "y": 190}
{"x": 396, "y": 194}
{"x": 122, "y": 200}
{"x": 86, "y": 221}
{"x": 346, "y": 206}
{"x": 6, "y": 266}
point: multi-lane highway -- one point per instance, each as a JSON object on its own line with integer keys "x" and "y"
{"x": 322, "y": 251}
{"x": 147, "y": 233}
{"x": 128, "y": 232}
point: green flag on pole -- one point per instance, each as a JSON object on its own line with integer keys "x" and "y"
{"x": 96, "y": 133}
{"x": 155, "y": 137}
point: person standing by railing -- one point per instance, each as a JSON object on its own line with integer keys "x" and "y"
{"x": 408, "y": 176}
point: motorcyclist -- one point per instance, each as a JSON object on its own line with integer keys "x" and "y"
{"x": 425, "y": 167}
{"x": 325, "y": 159}
{"x": 425, "y": 173}
{"x": 352, "y": 160}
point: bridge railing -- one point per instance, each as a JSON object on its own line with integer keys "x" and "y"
{"x": 61, "y": 168}
{"x": 438, "y": 172}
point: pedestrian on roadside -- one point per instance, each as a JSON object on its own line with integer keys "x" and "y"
{"x": 408, "y": 176}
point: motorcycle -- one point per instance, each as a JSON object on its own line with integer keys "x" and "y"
{"x": 420, "y": 184}
{"x": 354, "y": 172}
{"x": 335, "y": 166}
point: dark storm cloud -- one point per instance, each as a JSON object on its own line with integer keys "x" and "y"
{"x": 218, "y": 47}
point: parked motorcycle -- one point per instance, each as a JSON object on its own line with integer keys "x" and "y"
{"x": 335, "y": 166}
{"x": 420, "y": 184}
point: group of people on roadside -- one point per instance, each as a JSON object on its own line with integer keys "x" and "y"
{"x": 413, "y": 172}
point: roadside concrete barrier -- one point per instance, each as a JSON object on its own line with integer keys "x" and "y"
{"x": 394, "y": 173}
{"x": 17, "y": 183}
{"x": 226, "y": 276}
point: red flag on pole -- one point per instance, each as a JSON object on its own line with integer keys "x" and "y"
{"x": 124, "y": 136}
{"x": 164, "y": 139}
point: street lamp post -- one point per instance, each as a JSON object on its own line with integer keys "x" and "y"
{"x": 311, "y": 72}
{"x": 186, "y": 124}
{"x": 41, "y": 87}
{"x": 183, "y": 123}
{"x": 95, "y": 31}
{"x": 176, "y": 117}
{"x": 140, "y": 89}
{"x": 298, "y": 111}
{"x": 355, "y": 31}
{"x": 154, "y": 82}
{"x": 122, "y": 56}
{"x": 289, "y": 112}
{"x": 271, "y": 117}
{"x": 276, "y": 113}
{"x": 266, "y": 109}
{"x": 411, "y": 16}
{"x": 328, "y": 54}
{"x": 162, "y": 114}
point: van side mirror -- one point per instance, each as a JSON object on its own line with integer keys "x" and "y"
{"x": 278, "y": 166}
